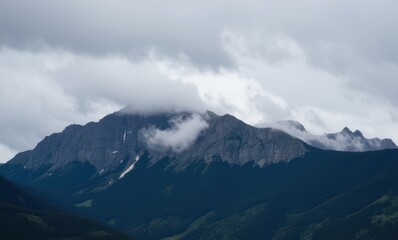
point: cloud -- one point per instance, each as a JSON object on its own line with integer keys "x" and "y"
{"x": 42, "y": 93}
{"x": 326, "y": 64}
{"x": 227, "y": 91}
{"x": 195, "y": 29}
{"x": 140, "y": 85}
{"x": 6, "y": 153}
{"x": 115, "y": 27}
{"x": 179, "y": 137}
{"x": 341, "y": 141}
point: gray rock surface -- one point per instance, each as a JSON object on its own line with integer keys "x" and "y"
{"x": 231, "y": 140}
{"x": 117, "y": 138}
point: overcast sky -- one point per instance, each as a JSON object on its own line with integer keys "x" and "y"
{"x": 327, "y": 64}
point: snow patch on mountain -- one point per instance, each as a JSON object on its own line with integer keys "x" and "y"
{"x": 131, "y": 167}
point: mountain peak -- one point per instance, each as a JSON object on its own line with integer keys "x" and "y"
{"x": 346, "y": 130}
{"x": 211, "y": 114}
{"x": 229, "y": 119}
{"x": 119, "y": 138}
{"x": 358, "y": 133}
{"x": 288, "y": 126}
{"x": 292, "y": 124}
{"x": 346, "y": 140}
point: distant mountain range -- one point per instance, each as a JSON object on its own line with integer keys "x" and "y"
{"x": 346, "y": 140}
{"x": 204, "y": 176}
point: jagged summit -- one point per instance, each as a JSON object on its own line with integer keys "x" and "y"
{"x": 122, "y": 171}
{"x": 345, "y": 140}
{"x": 346, "y": 130}
{"x": 356, "y": 133}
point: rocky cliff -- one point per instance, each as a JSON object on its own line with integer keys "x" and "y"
{"x": 117, "y": 139}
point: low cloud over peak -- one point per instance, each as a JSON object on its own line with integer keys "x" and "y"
{"x": 68, "y": 61}
{"x": 346, "y": 140}
{"x": 179, "y": 137}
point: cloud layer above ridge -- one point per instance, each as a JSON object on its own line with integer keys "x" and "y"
{"x": 326, "y": 64}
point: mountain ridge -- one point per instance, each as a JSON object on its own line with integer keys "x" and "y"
{"x": 118, "y": 138}
{"x": 225, "y": 193}
{"x": 345, "y": 140}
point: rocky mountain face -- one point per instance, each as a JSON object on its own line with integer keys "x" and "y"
{"x": 118, "y": 140}
{"x": 346, "y": 140}
{"x": 231, "y": 140}
{"x": 229, "y": 181}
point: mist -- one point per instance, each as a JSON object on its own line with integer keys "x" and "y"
{"x": 179, "y": 137}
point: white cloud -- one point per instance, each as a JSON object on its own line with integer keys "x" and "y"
{"x": 341, "y": 141}
{"x": 331, "y": 32}
{"x": 262, "y": 61}
{"x": 42, "y": 93}
{"x": 140, "y": 85}
{"x": 227, "y": 91}
{"x": 6, "y": 153}
{"x": 179, "y": 137}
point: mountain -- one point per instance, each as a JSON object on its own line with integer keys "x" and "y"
{"x": 346, "y": 140}
{"x": 233, "y": 181}
{"x": 116, "y": 142}
{"x": 40, "y": 220}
